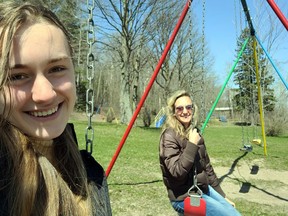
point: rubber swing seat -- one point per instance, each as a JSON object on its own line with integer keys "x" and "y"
{"x": 192, "y": 208}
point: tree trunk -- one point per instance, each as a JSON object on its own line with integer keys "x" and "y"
{"x": 125, "y": 108}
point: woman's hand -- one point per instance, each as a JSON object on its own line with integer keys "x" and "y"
{"x": 229, "y": 201}
{"x": 194, "y": 136}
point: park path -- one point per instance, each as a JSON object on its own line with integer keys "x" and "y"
{"x": 267, "y": 186}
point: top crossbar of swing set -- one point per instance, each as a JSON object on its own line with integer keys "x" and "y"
{"x": 158, "y": 67}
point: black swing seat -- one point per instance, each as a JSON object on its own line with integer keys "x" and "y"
{"x": 95, "y": 171}
{"x": 247, "y": 148}
{"x": 96, "y": 174}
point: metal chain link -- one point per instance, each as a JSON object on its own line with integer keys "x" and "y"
{"x": 203, "y": 108}
{"x": 190, "y": 52}
{"x": 89, "y": 135}
{"x": 236, "y": 24}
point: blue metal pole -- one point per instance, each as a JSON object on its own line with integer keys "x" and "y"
{"x": 276, "y": 69}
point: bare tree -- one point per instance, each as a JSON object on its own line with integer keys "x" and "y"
{"x": 120, "y": 27}
{"x": 134, "y": 35}
{"x": 184, "y": 66}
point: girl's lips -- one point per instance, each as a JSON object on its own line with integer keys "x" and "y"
{"x": 44, "y": 113}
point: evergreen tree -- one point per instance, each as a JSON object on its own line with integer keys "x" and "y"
{"x": 246, "y": 99}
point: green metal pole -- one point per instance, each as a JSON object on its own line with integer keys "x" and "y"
{"x": 224, "y": 85}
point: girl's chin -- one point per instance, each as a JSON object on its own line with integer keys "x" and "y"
{"x": 46, "y": 133}
{"x": 186, "y": 120}
{"x": 186, "y": 124}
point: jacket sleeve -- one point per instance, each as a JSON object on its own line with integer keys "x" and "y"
{"x": 177, "y": 158}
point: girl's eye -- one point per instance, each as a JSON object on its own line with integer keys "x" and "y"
{"x": 57, "y": 69}
{"x": 17, "y": 77}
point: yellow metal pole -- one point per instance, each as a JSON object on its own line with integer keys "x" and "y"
{"x": 259, "y": 96}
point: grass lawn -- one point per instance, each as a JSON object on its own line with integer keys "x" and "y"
{"x": 135, "y": 182}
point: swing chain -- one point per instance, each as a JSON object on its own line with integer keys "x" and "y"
{"x": 203, "y": 108}
{"x": 89, "y": 135}
{"x": 191, "y": 51}
{"x": 195, "y": 186}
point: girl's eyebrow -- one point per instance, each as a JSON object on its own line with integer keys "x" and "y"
{"x": 23, "y": 66}
{"x": 62, "y": 58}
{"x": 19, "y": 66}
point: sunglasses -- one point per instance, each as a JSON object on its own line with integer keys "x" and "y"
{"x": 180, "y": 109}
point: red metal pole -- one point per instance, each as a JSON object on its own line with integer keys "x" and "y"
{"x": 278, "y": 12}
{"x": 144, "y": 96}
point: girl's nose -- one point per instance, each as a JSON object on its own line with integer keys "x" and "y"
{"x": 42, "y": 90}
{"x": 185, "y": 110}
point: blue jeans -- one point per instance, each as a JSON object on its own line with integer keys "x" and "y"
{"x": 216, "y": 205}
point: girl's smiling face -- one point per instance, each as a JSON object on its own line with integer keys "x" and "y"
{"x": 42, "y": 83}
{"x": 184, "y": 110}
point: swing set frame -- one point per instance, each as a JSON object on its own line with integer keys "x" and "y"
{"x": 254, "y": 37}
{"x": 164, "y": 54}
{"x": 89, "y": 136}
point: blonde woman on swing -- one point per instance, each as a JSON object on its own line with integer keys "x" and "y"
{"x": 182, "y": 150}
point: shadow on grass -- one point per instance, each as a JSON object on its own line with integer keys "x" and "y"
{"x": 150, "y": 128}
{"x": 247, "y": 185}
{"x": 269, "y": 193}
{"x": 137, "y": 183}
{"x": 232, "y": 168}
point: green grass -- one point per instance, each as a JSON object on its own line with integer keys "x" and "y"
{"x": 222, "y": 142}
{"x": 135, "y": 182}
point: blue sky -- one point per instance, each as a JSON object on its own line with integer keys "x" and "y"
{"x": 222, "y": 24}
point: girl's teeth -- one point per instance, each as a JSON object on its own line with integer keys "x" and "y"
{"x": 44, "y": 113}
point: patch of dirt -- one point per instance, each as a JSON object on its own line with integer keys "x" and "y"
{"x": 260, "y": 185}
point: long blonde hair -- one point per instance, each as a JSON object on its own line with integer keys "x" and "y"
{"x": 171, "y": 121}
{"x": 29, "y": 183}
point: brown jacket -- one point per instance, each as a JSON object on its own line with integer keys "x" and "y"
{"x": 178, "y": 157}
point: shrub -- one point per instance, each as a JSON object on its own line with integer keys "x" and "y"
{"x": 275, "y": 122}
{"x": 146, "y": 117}
{"x": 110, "y": 116}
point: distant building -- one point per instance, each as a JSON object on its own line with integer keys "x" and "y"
{"x": 221, "y": 112}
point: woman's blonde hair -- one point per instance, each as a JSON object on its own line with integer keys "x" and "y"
{"x": 29, "y": 183}
{"x": 172, "y": 121}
